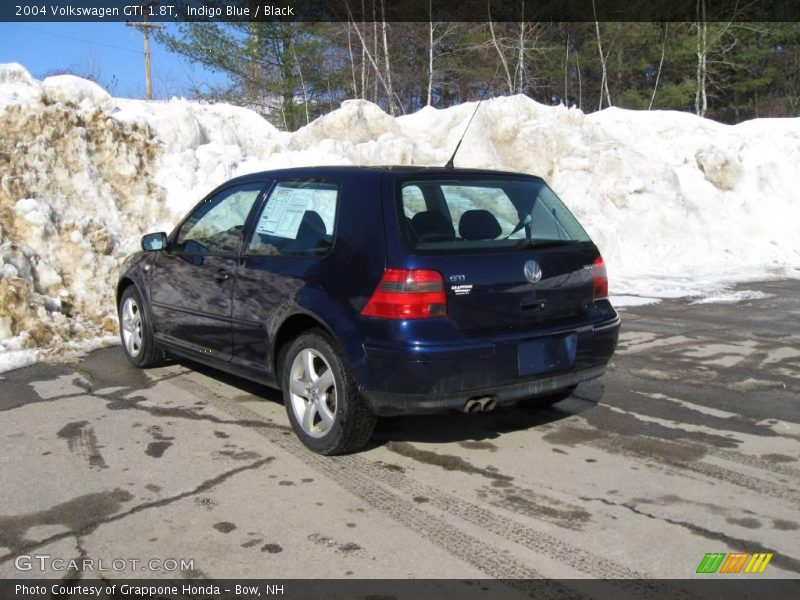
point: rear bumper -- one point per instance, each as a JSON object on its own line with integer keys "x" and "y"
{"x": 386, "y": 404}
{"x": 429, "y": 379}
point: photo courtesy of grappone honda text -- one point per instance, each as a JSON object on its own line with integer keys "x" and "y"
{"x": 376, "y": 291}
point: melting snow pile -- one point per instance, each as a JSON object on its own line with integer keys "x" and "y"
{"x": 678, "y": 205}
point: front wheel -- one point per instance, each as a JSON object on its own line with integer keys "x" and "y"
{"x": 322, "y": 400}
{"x": 135, "y": 332}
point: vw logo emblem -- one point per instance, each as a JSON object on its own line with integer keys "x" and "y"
{"x": 533, "y": 272}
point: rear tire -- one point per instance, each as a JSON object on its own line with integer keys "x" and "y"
{"x": 135, "y": 331}
{"x": 321, "y": 397}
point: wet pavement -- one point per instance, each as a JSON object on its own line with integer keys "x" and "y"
{"x": 689, "y": 444}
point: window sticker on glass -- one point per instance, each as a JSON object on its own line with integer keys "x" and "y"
{"x": 284, "y": 212}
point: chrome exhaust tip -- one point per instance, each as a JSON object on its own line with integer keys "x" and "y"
{"x": 488, "y": 404}
{"x": 472, "y": 406}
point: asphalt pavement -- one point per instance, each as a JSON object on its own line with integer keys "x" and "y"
{"x": 688, "y": 445}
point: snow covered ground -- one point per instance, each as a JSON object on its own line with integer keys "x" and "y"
{"x": 679, "y": 205}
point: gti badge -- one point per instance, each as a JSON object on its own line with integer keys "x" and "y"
{"x": 533, "y": 272}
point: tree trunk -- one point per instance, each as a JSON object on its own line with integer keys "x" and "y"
{"x": 660, "y": 65}
{"x": 375, "y": 49}
{"x": 352, "y": 60}
{"x": 287, "y": 93}
{"x": 430, "y": 53}
{"x": 700, "y": 98}
{"x": 604, "y": 80}
{"x": 521, "y": 55}
{"x": 389, "y": 89}
{"x": 580, "y": 82}
{"x": 566, "y": 72}
{"x": 255, "y": 42}
{"x": 503, "y": 61}
{"x": 302, "y": 83}
{"x": 363, "y": 58}
{"x": 375, "y": 66}
{"x": 518, "y": 87}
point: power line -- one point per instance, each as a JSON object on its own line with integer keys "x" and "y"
{"x": 77, "y": 39}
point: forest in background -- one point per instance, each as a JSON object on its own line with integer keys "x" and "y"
{"x": 292, "y": 72}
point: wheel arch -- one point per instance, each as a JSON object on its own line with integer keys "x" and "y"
{"x": 132, "y": 279}
{"x": 123, "y": 284}
{"x": 290, "y": 329}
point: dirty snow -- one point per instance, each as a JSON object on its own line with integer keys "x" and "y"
{"x": 732, "y": 297}
{"x": 623, "y": 301}
{"x": 679, "y": 205}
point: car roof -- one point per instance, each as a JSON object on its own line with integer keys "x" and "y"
{"x": 404, "y": 170}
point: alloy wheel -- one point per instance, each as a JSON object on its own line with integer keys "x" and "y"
{"x": 132, "y": 327}
{"x": 312, "y": 390}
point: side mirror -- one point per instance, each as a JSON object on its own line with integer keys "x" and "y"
{"x": 154, "y": 241}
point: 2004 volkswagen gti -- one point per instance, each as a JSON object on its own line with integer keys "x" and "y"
{"x": 365, "y": 292}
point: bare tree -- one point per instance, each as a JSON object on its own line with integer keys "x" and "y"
{"x": 519, "y": 71}
{"x": 378, "y": 75}
{"x": 363, "y": 58}
{"x": 517, "y": 42}
{"x": 431, "y": 29}
{"x": 302, "y": 82}
{"x": 700, "y": 97}
{"x": 566, "y": 71}
{"x": 604, "y": 80}
{"x": 580, "y": 83}
{"x": 714, "y": 45}
{"x": 434, "y": 40}
{"x": 389, "y": 90}
{"x": 352, "y": 59}
{"x": 660, "y": 66}
{"x": 375, "y": 49}
{"x": 500, "y": 54}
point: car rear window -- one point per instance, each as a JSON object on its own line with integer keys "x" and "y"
{"x": 452, "y": 215}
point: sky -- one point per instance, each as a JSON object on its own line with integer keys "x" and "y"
{"x": 111, "y": 52}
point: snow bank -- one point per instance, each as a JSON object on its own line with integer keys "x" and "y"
{"x": 678, "y": 205}
{"x": 69, "y": 88}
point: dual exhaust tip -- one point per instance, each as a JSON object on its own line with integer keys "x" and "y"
{"x": 476, "y": 405}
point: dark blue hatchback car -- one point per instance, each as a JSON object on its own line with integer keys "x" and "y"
{"x": 375, "y": 291}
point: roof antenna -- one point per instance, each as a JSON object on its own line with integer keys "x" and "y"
{"x": 449, "y": 164}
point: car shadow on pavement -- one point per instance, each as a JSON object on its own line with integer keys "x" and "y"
{"x": 459, "y": 427}
{"x": 246, "y": 386}
{"x": 437, "y": 428}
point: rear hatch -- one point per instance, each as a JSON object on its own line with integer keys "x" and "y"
{"x": 511, "y": 254}
{"x": 495, "y": 292}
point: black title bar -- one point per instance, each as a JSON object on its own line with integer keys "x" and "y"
{"x": 166, "y": 11}
{"x": 730, "y": 588}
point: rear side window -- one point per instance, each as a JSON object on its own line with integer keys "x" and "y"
{"x": 298, "y": 219}
{"x": 440, "y": 216}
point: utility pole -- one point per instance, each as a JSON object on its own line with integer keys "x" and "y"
{"x": 145, "y": 28}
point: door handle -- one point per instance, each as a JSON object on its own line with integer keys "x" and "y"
{"x": 222, "y": 275}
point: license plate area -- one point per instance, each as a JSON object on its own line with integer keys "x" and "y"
{"x": 547, "y": 354}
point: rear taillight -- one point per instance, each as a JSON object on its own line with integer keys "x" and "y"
{"x": 600, "y": 284}
{"x": 408, "y": 294}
